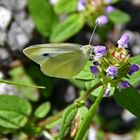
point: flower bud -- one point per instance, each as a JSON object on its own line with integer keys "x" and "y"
{"x": 99, "y": 51}
{"x": 109, "y": 9}
{"x": 94, "y": 70}
{"x": 81, "y": 5}
{"x": 123, "y": 42}
{"x": 124, "y": 84}
{"x": 111, "y": 71}
{"x": 107, "y": 91}
{"x": 102, "y": 20}
{"x": 133, "y": 69}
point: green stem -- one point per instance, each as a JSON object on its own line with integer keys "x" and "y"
{"x": 51, "y": 119}
{"x": 59, "y": 114}
{"x": 88, "y": 118}
{"x": 87, "y": 93}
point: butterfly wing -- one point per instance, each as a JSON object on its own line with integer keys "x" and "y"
{"x": 39, "y": 53}
{"x": 65, "y": 65}
{"x": 61, "y": 60}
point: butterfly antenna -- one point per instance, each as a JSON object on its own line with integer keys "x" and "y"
{"x": 95, "y": 27}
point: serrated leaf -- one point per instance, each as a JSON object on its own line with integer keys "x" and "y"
{"x": 128, "y": 98}
{"x": 14, "y": 111}
{"x": 119, "y": 17}
{"x": 85, "y": 74}
{"x": 43, "y": 16}
{"x": 67, "y": 118}
{"x": 65, "y": 6}
{"x": 42, "y": 110}
{"x": 66, "y": 29}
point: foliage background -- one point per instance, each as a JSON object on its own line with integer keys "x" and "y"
{"x": 35, "y": 22}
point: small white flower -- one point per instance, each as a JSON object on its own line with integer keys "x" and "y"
{"x": 53, "y": 2}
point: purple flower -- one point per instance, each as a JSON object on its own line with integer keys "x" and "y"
{"x": 111, "y": 71}
{"x": 107, "y": 91}
{"x": 81, "y": 5}
{"x": 99, "y": 51}
{"x": 94, "y": 70}
{"x": 102, "y": 20}
{"x": 133, "y": 69}
{"x": 83, "y": 2}
{"x": 123, "y": 42}
{"x": 109, "y": 9}
{"x": 124, "y": 84}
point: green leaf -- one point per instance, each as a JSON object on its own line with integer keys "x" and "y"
{"x": 19, "y": 76}
{"x": 85, "y": 124}
{"x": 43, "y": 16}
{"x": 66, "y": 29}
{"x": 119, "y": 17}
{"x": 78, "y": 83}
{"x": 96, "y": 92}
{"x": 135, "y": 78}
{"x": 67, "y": 118}
{"x": 42, "y": 110}
{"x": 65, "y": 6}
{"x": 135, "y": 59}
{"x": 85, "y": 74}
{"x": 14, "y": 111}
{"x": 39, "y": 78}
{"x": 115, "y": 1}
{"x": 17, "y": 84}
{"x": 128, "y": 98}
{"x": 82, "y": 111}
{"x": 32, "y": 129}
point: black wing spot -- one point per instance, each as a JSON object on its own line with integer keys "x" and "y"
{"x": 45, "y": 54}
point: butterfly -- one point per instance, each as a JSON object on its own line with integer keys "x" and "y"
{"x": 61, "y": 60}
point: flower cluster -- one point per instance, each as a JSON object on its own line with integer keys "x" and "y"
{"x": 113, "y": 65}
{"x": 94, "y": 5}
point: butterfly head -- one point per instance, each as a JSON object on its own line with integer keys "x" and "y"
{"x": 87, "y": 49}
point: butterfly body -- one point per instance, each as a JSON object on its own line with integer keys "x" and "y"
{"x": 62, "y": 60}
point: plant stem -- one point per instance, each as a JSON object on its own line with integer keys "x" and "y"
{"x": 59, "y": 114}
{"x": 51, "y": 119}
{"x": 87, "y": 93}
{"x": 88, "y": 118}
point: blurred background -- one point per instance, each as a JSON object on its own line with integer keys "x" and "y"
{"x": 27, "y": 22}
